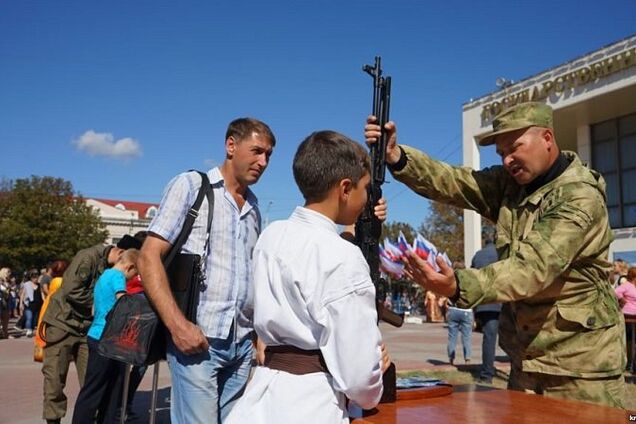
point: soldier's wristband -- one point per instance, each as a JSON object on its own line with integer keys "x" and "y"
{"x": 454, "y": 298}
{"x": 400, "y": 164}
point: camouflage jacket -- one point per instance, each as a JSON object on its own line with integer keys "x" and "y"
{"x": 560, "y": 315}
{"x": 70, "y": 307}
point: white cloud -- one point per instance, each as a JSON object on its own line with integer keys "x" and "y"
{"x": 104, "y": 144}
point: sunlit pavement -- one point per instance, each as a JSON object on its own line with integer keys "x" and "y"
{"x": 412, "y": 347}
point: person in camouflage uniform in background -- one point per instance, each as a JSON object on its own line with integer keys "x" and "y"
{"x": 560, "y": 323}
{"x": 67, "y": 320}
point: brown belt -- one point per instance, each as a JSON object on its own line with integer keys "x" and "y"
{"x": 294, "y": 360}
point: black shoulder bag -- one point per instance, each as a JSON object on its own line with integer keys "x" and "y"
{"x": 134, "y": 333}
{"x": 185, "y": 270}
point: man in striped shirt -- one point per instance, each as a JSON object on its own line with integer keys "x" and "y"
{"x": 210, "y": 360}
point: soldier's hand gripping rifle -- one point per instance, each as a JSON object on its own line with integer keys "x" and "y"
{"x": 369, "y": 227}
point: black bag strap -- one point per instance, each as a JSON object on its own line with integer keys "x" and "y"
{"x": 193, "y": 213}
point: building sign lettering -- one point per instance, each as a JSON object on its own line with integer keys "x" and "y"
{"x": 579, "y": 77}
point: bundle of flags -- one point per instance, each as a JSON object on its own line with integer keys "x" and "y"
{"x": 391, "y": 254}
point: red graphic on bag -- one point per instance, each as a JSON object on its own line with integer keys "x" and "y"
{"x": 129, "y": 337}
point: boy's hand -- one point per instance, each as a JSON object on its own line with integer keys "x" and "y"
{"x": 421, "y": 272}
{"x": 386, "y": 359}
{"x": 372, "y": 134}
{"x": 380, "y": 210}
{"x": 260, "y": 351}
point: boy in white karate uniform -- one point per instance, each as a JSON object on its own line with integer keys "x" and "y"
{"x": 314, "y": 302}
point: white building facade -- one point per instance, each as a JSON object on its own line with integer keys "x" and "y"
{"x": 123, "y": 217}
{"x": 594, "y": 102}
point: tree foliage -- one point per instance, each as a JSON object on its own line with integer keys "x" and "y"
{"x": 444, "y": 227}
{"x": 391, "y": 230}
{"x": 42, "y": 219}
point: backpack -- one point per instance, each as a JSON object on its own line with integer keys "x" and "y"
{"x": 134, "y": 333}
{"x": 37, "y": 302}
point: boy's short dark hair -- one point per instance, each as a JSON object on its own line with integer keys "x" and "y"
{"x": 324, "y": 159}
{"x": 242, "y": 128}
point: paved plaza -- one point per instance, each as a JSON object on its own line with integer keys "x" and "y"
{"x": 412, "y": 347}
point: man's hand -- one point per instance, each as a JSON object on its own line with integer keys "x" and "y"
{"x": 386, "y": 359}
{"x": 419, "y": 271}
{"x": 372, "y": 134}
{"x": 187, "y": 337}
{"x": 190, "y": 339}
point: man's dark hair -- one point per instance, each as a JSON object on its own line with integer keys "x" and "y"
{"x": 141, "y": 236}
{"x": 488, "y": 234}
{"x": 129, "y": 242}
{"x": 241, "y": 128}
{"x": 324, "y": 159}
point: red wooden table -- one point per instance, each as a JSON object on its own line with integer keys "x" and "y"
{"x": 479, "y": 404}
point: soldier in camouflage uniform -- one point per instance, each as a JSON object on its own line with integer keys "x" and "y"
{"x": 67, "y": 319}
{"x": 560, "y": 323}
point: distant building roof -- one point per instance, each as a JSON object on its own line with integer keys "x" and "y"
{"x": 142, "y": 208}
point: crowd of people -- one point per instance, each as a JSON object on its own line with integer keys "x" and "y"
{"x": 283, "y": 296}
{"x": 23, "y": 299}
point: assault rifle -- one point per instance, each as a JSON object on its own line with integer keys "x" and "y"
{"x": 369, "y": 227}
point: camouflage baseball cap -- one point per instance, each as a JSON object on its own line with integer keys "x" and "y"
{"x": 522, "y": 115}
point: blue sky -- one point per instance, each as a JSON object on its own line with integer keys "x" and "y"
{"x": 120, "y": 96}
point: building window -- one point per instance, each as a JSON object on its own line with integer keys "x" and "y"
{"x": 614, "y": 156}
{"x": 120, "y": 206}
{"x": 152, "y": 211}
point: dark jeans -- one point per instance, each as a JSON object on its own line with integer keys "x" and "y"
{"x": 101, "y": 393}
{"x": 489, "y": 325}
{"x": 4, "y": 322}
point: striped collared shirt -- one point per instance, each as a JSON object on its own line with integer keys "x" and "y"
{"x": 228, "y": 296}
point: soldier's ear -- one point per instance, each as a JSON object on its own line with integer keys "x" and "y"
{"x": 547, "y": 134}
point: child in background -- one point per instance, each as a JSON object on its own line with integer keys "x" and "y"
{"x": 314, "y": 301}
{"x": 100, "y": 395}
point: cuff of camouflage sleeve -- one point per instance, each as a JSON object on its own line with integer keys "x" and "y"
{"x": 454, "y": 298}
{"x": 400, "y": 164}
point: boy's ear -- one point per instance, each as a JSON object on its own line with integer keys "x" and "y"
{"x": 130, "y": 266}
{"x": 345, "y": 186}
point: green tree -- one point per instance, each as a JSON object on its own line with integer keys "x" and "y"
{"x": 42, "y": 219}
{"x": 444, "y": 227}
{"x": 391, "y": 230}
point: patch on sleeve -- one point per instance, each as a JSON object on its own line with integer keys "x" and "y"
{"x": 83, "y": 272}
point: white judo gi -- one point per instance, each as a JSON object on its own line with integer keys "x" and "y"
{"x": 312, "y": 290}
